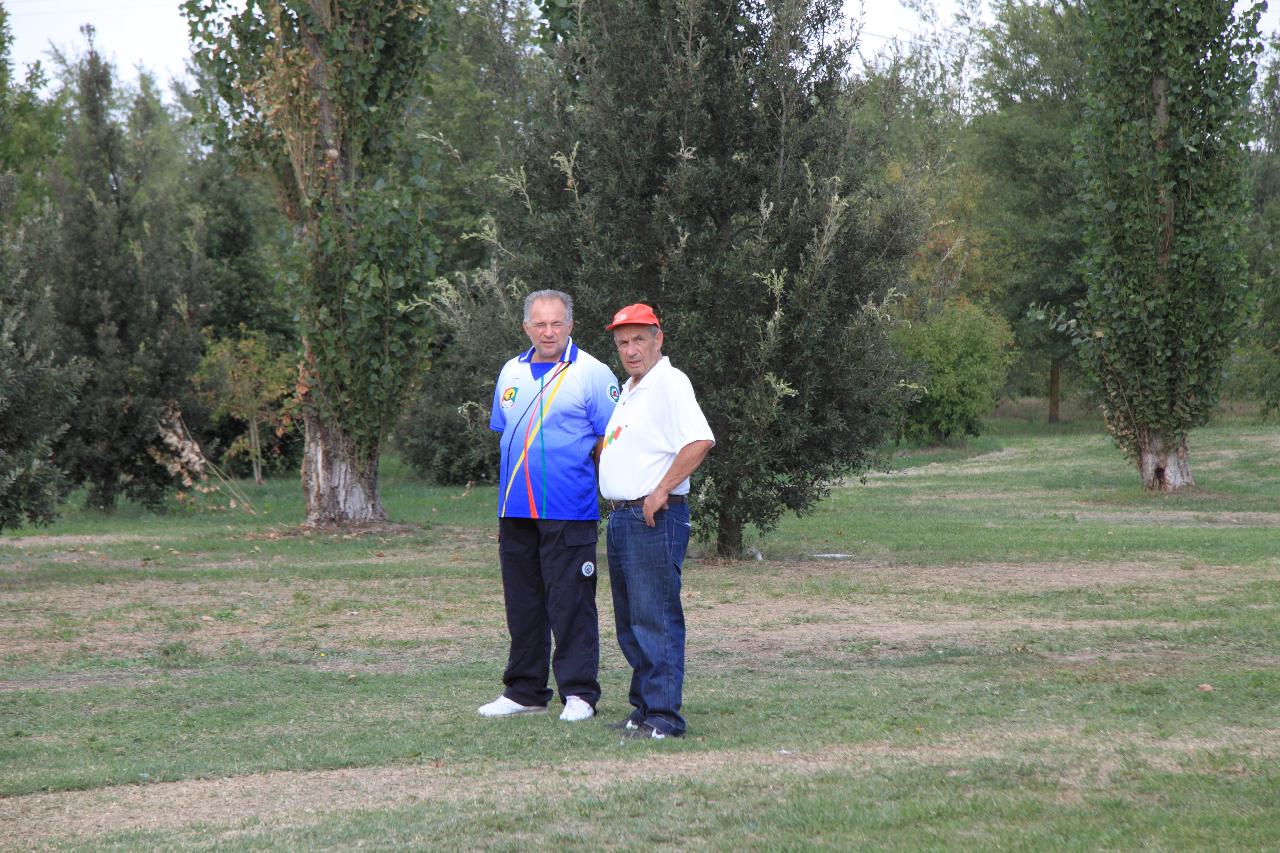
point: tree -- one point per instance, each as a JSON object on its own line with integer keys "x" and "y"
{"x": 125, "y": 273}
{"x": 966, "y": 350}
{"x": 477, "y": 102}
{"x": 318, "y": 90}
{"x": 37, "y": 385}
{"x": 922, "y": 102}
{"x": 37, "y": 394}
{"x": 701, "y": 155}
{"x": 243, "y": 379}
{"x": 1162, "y": 147}
{"x": 30, "y": 130}
{"x": 468, "y": 110}
{"x": 1022, "y": 139}
{"x": 1258, "y": 365}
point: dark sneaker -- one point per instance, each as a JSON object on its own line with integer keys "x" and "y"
{"x": 644, "y": 731}
{"x": 622, "y": 725}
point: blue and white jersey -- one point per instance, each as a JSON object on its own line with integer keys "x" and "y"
{"x": 549, "y": 425}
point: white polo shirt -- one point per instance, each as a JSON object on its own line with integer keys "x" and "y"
{"x": 654, "y": 419}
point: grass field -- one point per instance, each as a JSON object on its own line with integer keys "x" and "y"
{"x": 1009, "y": 645}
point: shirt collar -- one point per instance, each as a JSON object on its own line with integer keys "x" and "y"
{"x": 569, "y": 355}
{"x": 648, "y": 379}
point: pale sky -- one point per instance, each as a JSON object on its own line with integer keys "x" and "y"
{"x": 153, "y": 33}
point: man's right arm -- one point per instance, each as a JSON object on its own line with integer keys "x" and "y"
{"x": 685, "y": 463}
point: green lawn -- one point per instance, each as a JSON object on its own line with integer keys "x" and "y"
{"x": 1017, "y": 649}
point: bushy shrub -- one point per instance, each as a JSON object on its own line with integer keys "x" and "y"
{"x": 446, "y": 440}
{"x": 965, "y": 351}
{"x": 445, "y": 435}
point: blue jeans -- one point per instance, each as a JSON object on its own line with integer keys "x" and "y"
{"x": 644, "y": 572}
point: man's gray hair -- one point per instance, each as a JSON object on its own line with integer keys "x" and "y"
{"x": 549, "y": 294}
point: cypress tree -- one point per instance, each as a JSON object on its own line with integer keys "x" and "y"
{"x": 705, "y": 156}
{"x": 125, "y": 279}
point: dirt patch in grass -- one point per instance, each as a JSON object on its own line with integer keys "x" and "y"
{"x": 1184, "y": 518}
{"x": 1002, "y": 577}
{"x": 75, "y": 681}
{"x": 74, "y": 541}
{"x": 346, "y": 531}
{"x": 1267, "y": 438}
{"x": 292, "y": 799}
{"x": 763, "y": 630}
{"x": 141, "y": 618}
{"x": 403, "y": 623}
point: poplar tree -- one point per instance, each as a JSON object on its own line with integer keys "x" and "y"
{"x": 1162, "y": 148}
{"x": 318, "y": 91}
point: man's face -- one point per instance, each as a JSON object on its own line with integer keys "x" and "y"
{"x": 547, "y": 328}
{"x": 639, "y": 348}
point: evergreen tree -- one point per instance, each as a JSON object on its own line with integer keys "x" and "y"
{"x": 125, "y": 274}
{"x": 37, "y": 386}
{"x": 30, "y": 130}
{"x": 1163, "y": 147}
{"x": 37, "y": 389}
{"x": 701, "y": 156}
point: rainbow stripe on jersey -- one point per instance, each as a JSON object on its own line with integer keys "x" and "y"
{"x": 549, "y": 425}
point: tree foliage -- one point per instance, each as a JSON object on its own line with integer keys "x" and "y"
{"x": 37, "y": 385}
{"x": 125, "y": 272}
{"x": 477, "y": 103}
{"x": 922, "y": 102}
{"x": 318, "y": 89}
{"x": 1257, "y": 367}
{"x": 446, "y": 432}
{"x": 31, "y": 129}
{"x": 965, "y": 350}
{"x": 1021, "y": 140}
{"x": 1162, "y": 147}
{"x": 701, "y": 156}
{"x": 241, "y": 378}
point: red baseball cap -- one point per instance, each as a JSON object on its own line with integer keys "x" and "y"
{"x": 634, "y": 315}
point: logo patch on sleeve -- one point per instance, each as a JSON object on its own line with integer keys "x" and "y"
{"x": 588, "y": 569}
{"x": 508, "y": 397}
{"x": 614, "y": 393}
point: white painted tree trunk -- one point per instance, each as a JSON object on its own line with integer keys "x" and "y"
{"x": 1164, "y": 465}
{"x": 337, "y": 490}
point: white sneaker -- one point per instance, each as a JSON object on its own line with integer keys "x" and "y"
{"x": 504, "y": 707}
{"x": 576, "y": 709}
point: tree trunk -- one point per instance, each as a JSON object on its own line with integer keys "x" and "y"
{"x": 255, "y": 451}
{"x": 1164, "y": 465}
{"x": 338, "y": 489}
{"x": 728, "y": 527}
{"x": 1055, "y": 390}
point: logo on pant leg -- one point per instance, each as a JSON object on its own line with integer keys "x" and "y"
{"x": 588, "y": 569}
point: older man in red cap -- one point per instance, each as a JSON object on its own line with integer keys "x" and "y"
{"x": 656, "y": 437}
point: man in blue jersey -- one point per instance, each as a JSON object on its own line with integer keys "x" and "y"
{"x": 551, "y": 405}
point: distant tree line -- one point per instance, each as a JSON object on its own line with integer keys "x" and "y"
{"x": 319, "y": 243}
